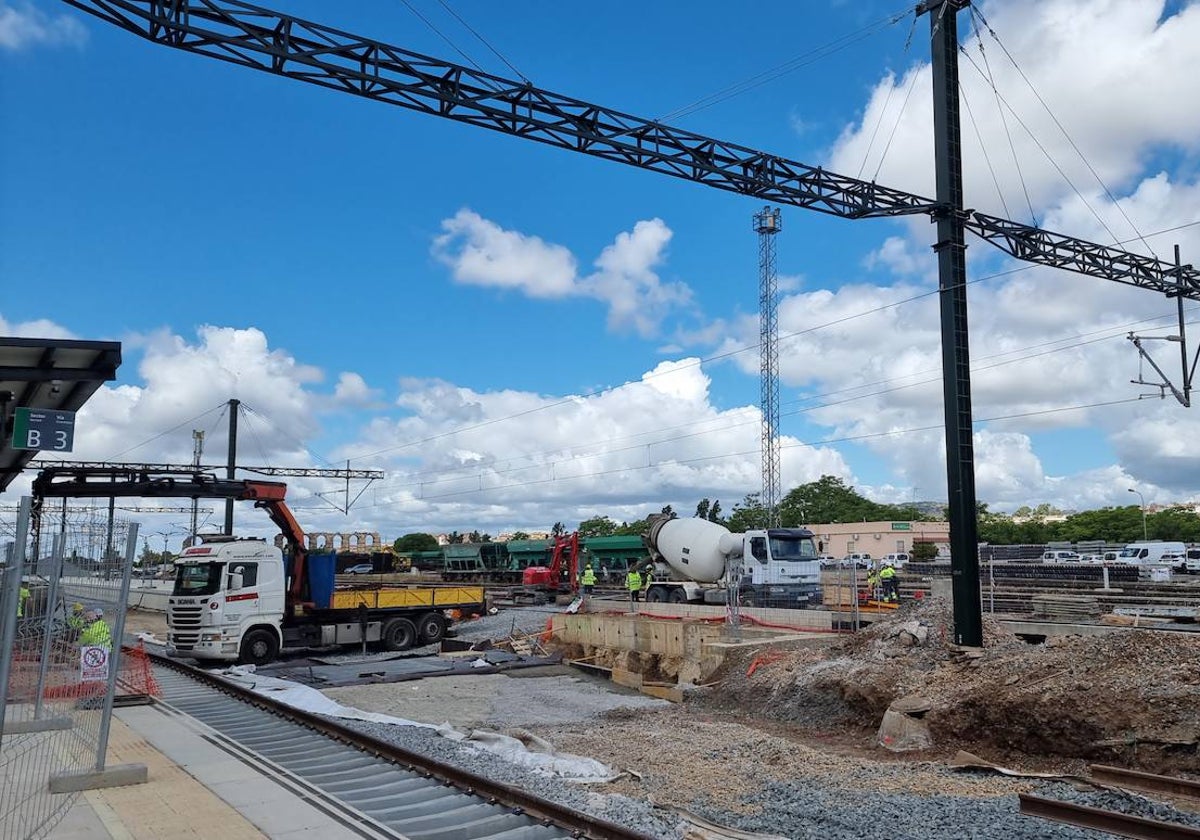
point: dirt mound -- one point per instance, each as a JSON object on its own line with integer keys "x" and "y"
{"x": 1130, "y": 696}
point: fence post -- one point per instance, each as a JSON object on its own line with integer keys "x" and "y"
{"x": 56, "y": 564}
{"x": 8, "y": 604}
{"x": 114, "y": 660}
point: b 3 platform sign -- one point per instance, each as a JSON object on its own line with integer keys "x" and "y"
{"x": 93, "y": 663}
{"x": 40, "y": 428}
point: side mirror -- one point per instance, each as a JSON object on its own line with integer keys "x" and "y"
{"x": 235, "y": 580}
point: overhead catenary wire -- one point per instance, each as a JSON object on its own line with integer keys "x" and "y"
{"x": 778, "y": 71}
{"x": 503, "y": 468}
{"x": 450, "y": 42}
{"x": 174, "y": 428}
{"x": 986, "y": 157}
{"x": 483, "y": 40}
{"x": 975, "y": 13}
{"x": 1004, "y": 122}
{"x": 746, "y": 453}
{"x": 886, "y": 102}
{"x": 699, "y": 362}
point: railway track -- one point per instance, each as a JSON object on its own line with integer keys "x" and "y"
{"x": 1117, "y": 822}
{"x": 388, "y": 790}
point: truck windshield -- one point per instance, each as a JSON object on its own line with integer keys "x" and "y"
{"x": 198, "y": 579}
{"x": 799, "y": 548}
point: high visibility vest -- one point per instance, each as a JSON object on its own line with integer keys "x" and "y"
{"x": 887, "y": 573}
{"x": 75, "y": 621}
{"x": 22, "y": 597}
{"x": 633, "y": 581}
{"x": 96, "y": 634}
{"x": 589, "y": 577}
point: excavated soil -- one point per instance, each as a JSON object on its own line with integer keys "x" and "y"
{"x": 1130, "y": 697}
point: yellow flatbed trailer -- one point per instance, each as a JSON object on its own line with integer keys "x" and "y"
{"x": 408, "y": 597}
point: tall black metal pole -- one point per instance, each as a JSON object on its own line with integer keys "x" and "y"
{"x": 952, "y": 281}
{"x": 231, "y": 463}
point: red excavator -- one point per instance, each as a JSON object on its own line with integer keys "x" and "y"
{"x": 562, "y": 575}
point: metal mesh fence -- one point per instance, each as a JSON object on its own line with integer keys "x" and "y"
{"x": 62, "y": 612}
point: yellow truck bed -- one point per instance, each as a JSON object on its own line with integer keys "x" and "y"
{"x": 387, "y": 598}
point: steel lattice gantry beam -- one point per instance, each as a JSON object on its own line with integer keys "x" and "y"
{"x": 288, "y": 46}
{"x": 189, "y": 469}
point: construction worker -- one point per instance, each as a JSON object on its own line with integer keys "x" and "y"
{"x": 872, "y": 585}
{"x": 96, "y": 633}
{"x": 633, "y": 582}
{"x": 887, "y": 578}
{"x": 75, "y": 620}
{"x": 587, "y": 579}
{"x": 22, "y": 597}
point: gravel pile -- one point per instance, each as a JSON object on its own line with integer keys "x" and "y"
{"x": 631, "y": 813}
{"x": 521, "y": 620}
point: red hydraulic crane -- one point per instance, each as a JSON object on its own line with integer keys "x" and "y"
{"x": 276, "y": 43}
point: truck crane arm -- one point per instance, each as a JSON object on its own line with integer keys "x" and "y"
{"x": 266, "y": 40}
{"x": 124, "y": 482}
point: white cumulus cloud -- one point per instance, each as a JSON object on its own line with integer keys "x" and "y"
{"x": 23, "y": 25}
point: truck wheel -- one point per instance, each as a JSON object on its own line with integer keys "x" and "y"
{"x": 677, "y": 596}
{"x": 656, "y": 595}
{"x": 399, "y": 634}
{"x": 258, "y": 648}
{"x": 431, "y": 627}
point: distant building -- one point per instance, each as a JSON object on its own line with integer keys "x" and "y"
{"x": 879, "y": 539}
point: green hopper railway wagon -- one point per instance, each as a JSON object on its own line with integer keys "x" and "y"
{"x": 611, "y": 557}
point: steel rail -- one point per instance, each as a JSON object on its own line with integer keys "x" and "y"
{"x": 1113, "y": 822}
{"x": 551, "y": 814}
{"x": 1139, "y": 780}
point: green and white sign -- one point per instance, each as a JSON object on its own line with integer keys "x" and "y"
{"x": 39, "y": 428}
{"x": 901, "y": 526}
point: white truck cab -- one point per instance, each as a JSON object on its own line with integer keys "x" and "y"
{"x": 228, "y": 592}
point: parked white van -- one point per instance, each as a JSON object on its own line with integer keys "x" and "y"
{"x": 1057, "y": 556}
{"x": 898, "y": 559}
{"x": 1150, "y": 553}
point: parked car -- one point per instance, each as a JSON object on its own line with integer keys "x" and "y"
{"x": 1057, "y": 556}
{"x": 1191, "y": 563}
{"x": 898, "y": 559}
{"x": 360, "y": 569}
{"x": 856, "y": 561}
{"x": 1177, "y": 560}
{"x": 827, "y": 561}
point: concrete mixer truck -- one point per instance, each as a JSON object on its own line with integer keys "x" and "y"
{"x": 697, "y": 561}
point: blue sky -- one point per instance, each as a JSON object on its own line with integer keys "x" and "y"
{"x": 219, "y": 219}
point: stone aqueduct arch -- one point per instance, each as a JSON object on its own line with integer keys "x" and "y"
{"x": 363, "y": 541}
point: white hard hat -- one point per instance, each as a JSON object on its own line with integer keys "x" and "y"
{"x": 99, "y": 612}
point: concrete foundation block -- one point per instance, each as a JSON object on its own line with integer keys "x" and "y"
{"x": 118, "y": 775}
{"x": 21, "y": 727}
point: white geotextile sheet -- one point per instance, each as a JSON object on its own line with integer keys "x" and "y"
{"x": 539, "y": 757}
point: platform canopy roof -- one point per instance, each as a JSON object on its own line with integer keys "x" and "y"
{"x": 47, "y": 373}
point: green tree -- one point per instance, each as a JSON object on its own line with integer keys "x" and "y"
{"x": 558, "y": 530}
{"x": 632, "y": 529}
{"x": 479, "y": 537}
{"x": 747, "y": 515}
{"x": 923, "y": 552}
{"x": 415, "y": 542}
{"x": 597, "y": 526}
{"x": 520, "y": 535}
{"x": 702, "y": 507}
{"x": 714, "y": 512}
{"x": 829, "y": 499}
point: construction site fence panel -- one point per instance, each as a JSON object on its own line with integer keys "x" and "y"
{"x": 61, "y": 665}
